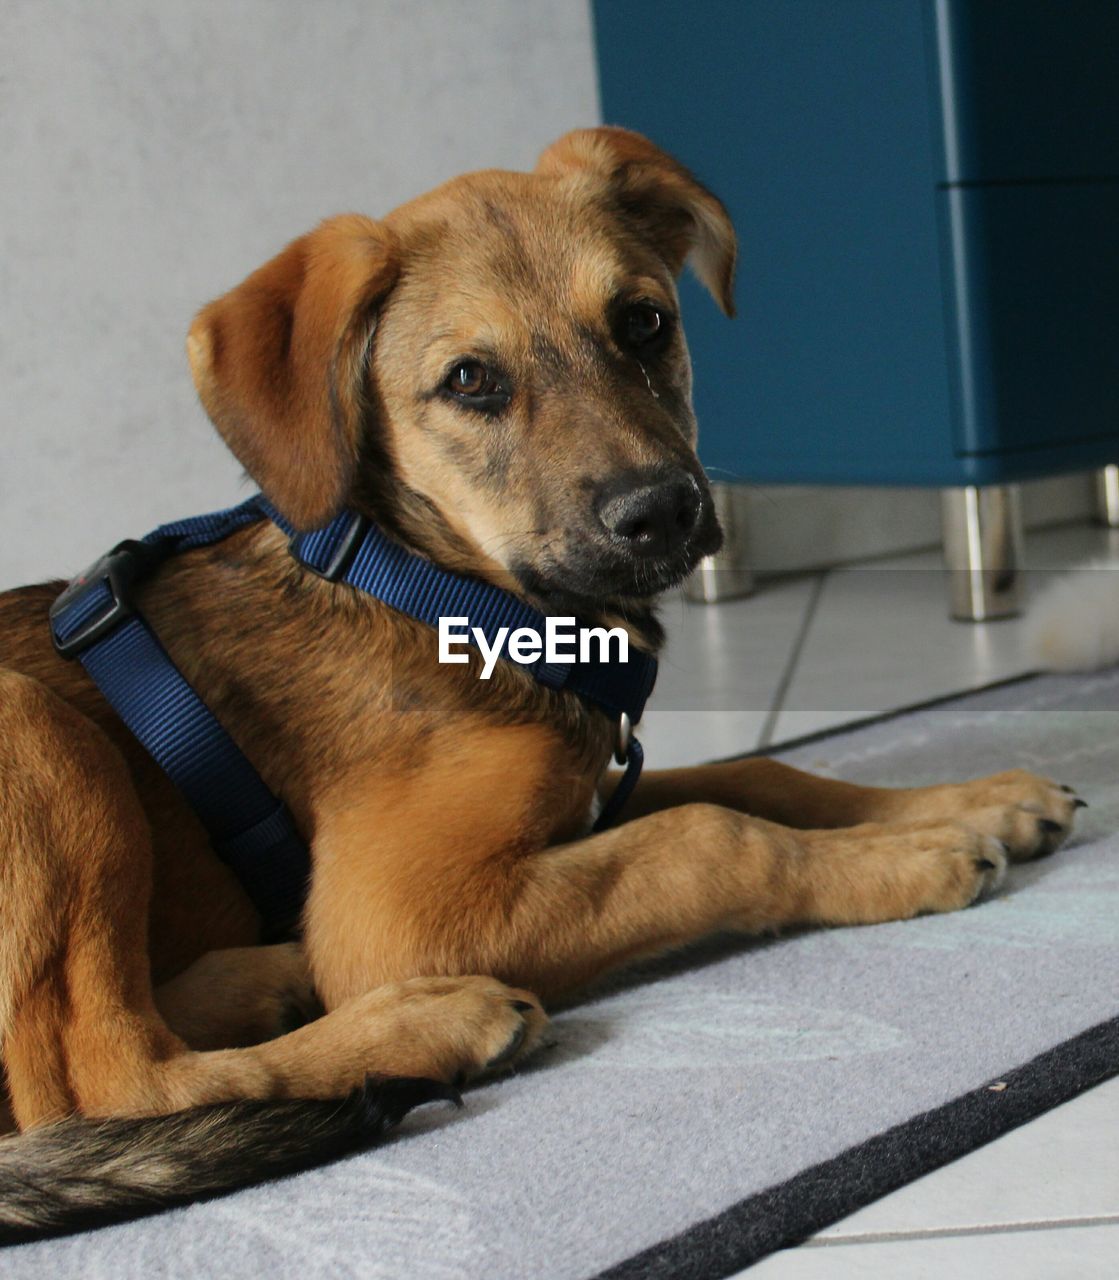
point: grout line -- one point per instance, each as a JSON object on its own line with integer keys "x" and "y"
{"x": 765, "y": 737}
{"x": 988, "y": 1229}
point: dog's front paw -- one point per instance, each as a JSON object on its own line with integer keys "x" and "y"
{"x": 870, "y": 874}
{"x": 1032, "y": 816}
{"x": 945, "y": 867}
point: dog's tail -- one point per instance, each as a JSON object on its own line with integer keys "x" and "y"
{"x": 1074, "y": 624}
{"x": 82, "y": 1173}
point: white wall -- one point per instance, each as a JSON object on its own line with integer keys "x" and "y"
{"x": 151, "y": 154}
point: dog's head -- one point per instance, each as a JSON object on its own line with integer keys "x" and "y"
{"x": 496, "y": 371}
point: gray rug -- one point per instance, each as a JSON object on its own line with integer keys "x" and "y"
{"x": 717, "y": 1105}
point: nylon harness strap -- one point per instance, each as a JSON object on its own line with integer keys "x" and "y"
{"x": 95, "y": 620}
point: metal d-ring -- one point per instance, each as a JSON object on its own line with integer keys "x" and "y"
{"x": 623, "y": 738}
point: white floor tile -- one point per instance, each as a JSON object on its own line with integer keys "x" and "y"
{"x": 720, "y": 671}
{"x": 1064, "y": 1253}
{"x": 1063, "y": 1166}
{"x": 881, "y": 637}
{"x": 675, "y": 738}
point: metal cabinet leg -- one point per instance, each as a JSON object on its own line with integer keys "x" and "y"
{"x": 1107, "y": 496}
{"x": 727, "y": 574}
{"x": 983, "y": 551}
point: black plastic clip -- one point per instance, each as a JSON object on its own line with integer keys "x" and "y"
{"x": 119, "y": 570}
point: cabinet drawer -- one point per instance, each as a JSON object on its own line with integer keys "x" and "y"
{"x": 1027, "y": 88}
{"x": 1032, "y": 292}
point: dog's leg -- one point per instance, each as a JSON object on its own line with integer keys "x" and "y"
{"x": 765, "y": 788}
{"x": 240, "y": 996}
{"x": 1029, "y": 814}
{"x": 449, "y": 1029}
{"x": 673, "y": 877}
{"x": 75, "y": 868}
{"x": 247, "y": 995}
{"x": 554, "y": 919}
{"x": 82, "y": 1030}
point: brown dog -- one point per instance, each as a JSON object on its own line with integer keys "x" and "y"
{"x": 491, "y": 373}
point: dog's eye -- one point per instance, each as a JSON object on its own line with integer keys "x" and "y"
{"x": 471, "y": 380}
{"x": 643, "y": 325}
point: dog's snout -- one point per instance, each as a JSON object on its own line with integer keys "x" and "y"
{"x": 651, "y": 516}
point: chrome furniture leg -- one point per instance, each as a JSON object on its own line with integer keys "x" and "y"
{"x": 1107, "y": 496}
{"x": 727, "y": 574}
{"x": 983, "y": 551}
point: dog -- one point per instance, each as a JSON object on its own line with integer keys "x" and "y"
{"x": 495, "y": 373}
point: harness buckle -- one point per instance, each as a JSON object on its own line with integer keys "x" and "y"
{"x": 343, "y": 554}
{"x": 118, "y": 570}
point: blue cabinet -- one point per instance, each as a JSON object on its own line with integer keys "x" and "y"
{"x": 927, "y": 198}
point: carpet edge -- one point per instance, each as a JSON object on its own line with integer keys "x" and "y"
{"x": 735, "y": 1239}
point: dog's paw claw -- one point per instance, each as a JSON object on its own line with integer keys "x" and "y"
{"x": 1031, "y": 815}
{"x": 513, "y": 1046}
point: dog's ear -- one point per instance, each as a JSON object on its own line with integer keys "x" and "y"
{"x": 659, "y": 197}
{"x": 280, "y": 363}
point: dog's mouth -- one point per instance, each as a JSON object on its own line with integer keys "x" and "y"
{"x": 591, "y": 575}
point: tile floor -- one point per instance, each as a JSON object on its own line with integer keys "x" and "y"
{"x": 806, "y": 653}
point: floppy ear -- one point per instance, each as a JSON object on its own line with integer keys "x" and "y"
{"x": 658, "y": 196}
{"x": 279, "y": 363}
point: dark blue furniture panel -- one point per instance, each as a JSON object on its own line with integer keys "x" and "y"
{"x": 893, "y": 328}
{"x": 1031, "y": 284}
{"x": 1031, "y": 87}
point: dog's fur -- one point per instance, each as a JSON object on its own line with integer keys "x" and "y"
{"x": 448, "y": 817}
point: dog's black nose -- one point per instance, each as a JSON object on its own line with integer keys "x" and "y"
{"x": 650, "y": 516}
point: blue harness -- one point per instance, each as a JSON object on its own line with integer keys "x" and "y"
{"x": 95, "y": 620}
